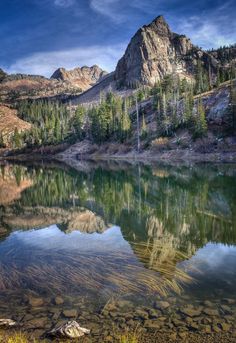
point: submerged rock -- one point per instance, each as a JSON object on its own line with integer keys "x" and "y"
{"x": 36, "y": 302}
{"x": 211, "y": 312}
{"x": 70, "y": 313}
{"x": 190, "y": 311}
{"x": 70, "y": 329}
{"x": 7, "y": 322}
{"x": 59, "y": 300}
{"x": 37, "y": 323}
{"x": 162, "y": 305}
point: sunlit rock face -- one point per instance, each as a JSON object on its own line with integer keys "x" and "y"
{"x": 83, "y": 77}
{"x": 155, "y": 51}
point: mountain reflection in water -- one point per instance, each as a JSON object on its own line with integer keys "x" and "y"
{"x": 135, "y": 229}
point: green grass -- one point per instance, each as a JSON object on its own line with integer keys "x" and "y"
{"x": 130, "y": 338}
{"x": 19, "y": 337}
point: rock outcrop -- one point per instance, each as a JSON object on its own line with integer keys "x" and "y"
{"x": 83, "y": 77}
{"x": 9, "y": 122}
{"x": 155, "y": 51}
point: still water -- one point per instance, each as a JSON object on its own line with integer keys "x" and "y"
{"x": 118, "y": 243}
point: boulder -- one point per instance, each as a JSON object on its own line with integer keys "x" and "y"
{"x": 191, "y": 312}
{"x": 70, "y": 313}
{"x": 7, "y": 322}
{"x": 70, "y": 329}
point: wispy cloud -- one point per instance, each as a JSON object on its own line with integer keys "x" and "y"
{"x": 45, "y": 63}
{"x": 109, "y": 8}
{"x": 64, "y": 3}
{"x": 207, "y": 33}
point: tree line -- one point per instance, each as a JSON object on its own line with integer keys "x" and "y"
{"x": 120, "y": 119}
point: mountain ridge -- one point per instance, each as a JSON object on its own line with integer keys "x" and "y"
{"x": 19, "y": 86}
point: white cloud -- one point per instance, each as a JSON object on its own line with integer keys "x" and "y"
{"x": 64, "y": 3}
{"x": 108, "y": 8}
{"x": 205, "y": 33}
{"x": 45, "y": 63}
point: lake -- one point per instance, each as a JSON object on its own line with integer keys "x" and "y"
{"x": 119, "y": 246}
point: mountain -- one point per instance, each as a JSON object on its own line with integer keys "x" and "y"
{"x": 62, "y": 84}
{"x": 155, "y": 52}
{"x": 83, "y": 77}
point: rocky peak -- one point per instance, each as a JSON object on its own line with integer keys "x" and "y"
{"x": 160, "y": 26}
{"x": 83, "y": 77}
{"x": 156, "y": 51}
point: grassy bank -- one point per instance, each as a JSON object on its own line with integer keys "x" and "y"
{"x": 19, "y": 337}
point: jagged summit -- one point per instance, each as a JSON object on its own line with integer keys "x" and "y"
{"x": 156, "y": 51}
{"x": 160, "y": 25}
{"x": 83, "y": 77}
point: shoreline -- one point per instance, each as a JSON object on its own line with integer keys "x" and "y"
{"x": 170, "y": 156}
{"x": 21, "y": 336}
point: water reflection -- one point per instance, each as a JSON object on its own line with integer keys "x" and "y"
{"x": 125, "y": 229}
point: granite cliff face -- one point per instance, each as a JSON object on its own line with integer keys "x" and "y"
{"x": 155, "y": 51}
{"x": 83, "y": 77}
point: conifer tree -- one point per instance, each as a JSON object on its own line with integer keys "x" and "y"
{"x": 200, "y": 128}
{"x": 144, "y": 126}
{"x": 2, "y": 144}
{"x": 16, "y": 139}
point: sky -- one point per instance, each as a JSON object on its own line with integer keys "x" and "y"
{"x": 39, "y": 36}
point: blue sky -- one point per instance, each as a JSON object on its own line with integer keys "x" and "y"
{"x": 38, "y": 36}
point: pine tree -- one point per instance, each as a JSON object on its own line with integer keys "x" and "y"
{"x": 16, "y": 139}
{"x": 199, "y": 81}
{"x": 200, "y": 128}
{"x": 78, "y": 121}
{"x": 188, "y": 108}
{"x": 125, "y": 123}
{"x": 2, "y": 144}
{"x": 144, "y": 126}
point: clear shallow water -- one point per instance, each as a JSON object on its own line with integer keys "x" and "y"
{"x": 119, "y": 232}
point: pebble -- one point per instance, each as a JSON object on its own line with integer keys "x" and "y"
{"x": 35, "y": 302}
{"x": 153, "y": 313}
{"x": 208, "y": 303}
{"x": 173, "y": 336}
{"x": 225, "y": 327}
{"x": 182, "y": 334}
{"x": 162, "y": 305}
{"x": 226, "y": 308}
{"x": 216, "y": 328}
{"x": 229, "y": 301}
{"x": 191, "y": 312}
{"x": 70, "y": 313}
{"x": 151, "y": 324}
{"x": 37, "y": 323}
{"x": 211, "y": 312}
{"x": 59, "y": 301}
{"x": 141, "y": 314}
{"x": 206, "y": 329}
